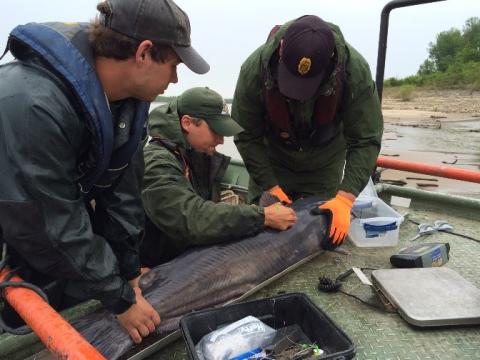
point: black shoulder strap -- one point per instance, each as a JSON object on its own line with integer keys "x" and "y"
{"x": 7, "y": 47}
{"x": 173, "y": 148}
{"x": 273, "y": 32}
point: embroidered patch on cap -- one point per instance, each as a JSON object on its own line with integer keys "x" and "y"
{"x": 304, "y": 65}
{"x": 225, "y": 109}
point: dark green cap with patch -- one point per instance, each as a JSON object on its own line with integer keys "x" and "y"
{"x": 208, "y": 105}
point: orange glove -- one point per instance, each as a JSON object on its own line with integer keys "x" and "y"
{"x": 280, "y": 194}
{"x": 340, "y": 208}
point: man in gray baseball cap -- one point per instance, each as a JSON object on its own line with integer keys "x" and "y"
{"x": 74, "y": 107}
{"x": 160, "y": 21}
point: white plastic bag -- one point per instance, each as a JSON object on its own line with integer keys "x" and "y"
{"x": 235, "y": 339}
{"x": 367, "y": 199}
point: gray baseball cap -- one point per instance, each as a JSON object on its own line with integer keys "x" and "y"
{"x": 160, "y": 21}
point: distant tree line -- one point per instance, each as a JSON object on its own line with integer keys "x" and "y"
{"x": 453, "y": 61}
{"x": 167, "y": 99}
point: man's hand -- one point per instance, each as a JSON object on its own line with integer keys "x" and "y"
{"x": 140, "y": 319}
{"x": 134, "y": 283}
{"x": 340, "y": 208}
{"x": 144, "y": 270}
{"x": 279, "y": 217}
{"x": 278, "y": 192}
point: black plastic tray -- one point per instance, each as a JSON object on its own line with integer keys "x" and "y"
{"x": 278, "y": 311}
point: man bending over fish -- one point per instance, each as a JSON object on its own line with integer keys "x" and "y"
{"x": 73, "y": 111}
{"x": 182, "y": 181}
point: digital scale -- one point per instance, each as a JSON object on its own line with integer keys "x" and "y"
{"x": 428, "y": 297}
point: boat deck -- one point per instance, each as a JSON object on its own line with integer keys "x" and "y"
{"x": 377, "y": 334}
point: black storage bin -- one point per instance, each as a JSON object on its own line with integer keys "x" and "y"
{"x": 277, "y": 312}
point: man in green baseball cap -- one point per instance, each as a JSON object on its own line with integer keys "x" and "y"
{"x": 183, "y": 172}
{"x": 205, "y": 104}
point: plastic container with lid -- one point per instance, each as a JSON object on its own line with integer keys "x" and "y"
{"x": 375, "y": 226}
{"x": 374, "y": 223}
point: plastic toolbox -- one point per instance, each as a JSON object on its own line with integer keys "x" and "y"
{"x": 277, "y": 312}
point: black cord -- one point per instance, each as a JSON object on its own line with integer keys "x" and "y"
{"x": 367, "y": 303}
{"x": 326, "y": 284}
{"x": 25, "y": 329}
{"x": 449, "y": 232}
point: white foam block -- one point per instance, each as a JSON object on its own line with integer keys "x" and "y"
{"x": 400, "y": 201}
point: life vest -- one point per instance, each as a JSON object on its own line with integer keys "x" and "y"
{"x": 279, "y": 119}
{"x": 59, "y": 46}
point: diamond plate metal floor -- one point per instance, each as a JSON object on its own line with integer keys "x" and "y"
{"x": 376, "y": 334}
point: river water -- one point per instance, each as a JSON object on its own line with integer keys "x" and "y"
{"x": 228, "y": 148}
{"x": 452, "y": 143}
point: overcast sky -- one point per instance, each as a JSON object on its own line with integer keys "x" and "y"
{"x": 225, "y": 32}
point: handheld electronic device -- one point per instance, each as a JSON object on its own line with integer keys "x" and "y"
{"x": 421, "y": 256}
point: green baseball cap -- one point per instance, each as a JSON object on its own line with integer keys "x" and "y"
{"x": 206, "y": 104}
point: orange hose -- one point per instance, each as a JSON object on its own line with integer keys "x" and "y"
{"x": 429, "y": 169}
{"x": 63, "y": 341}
